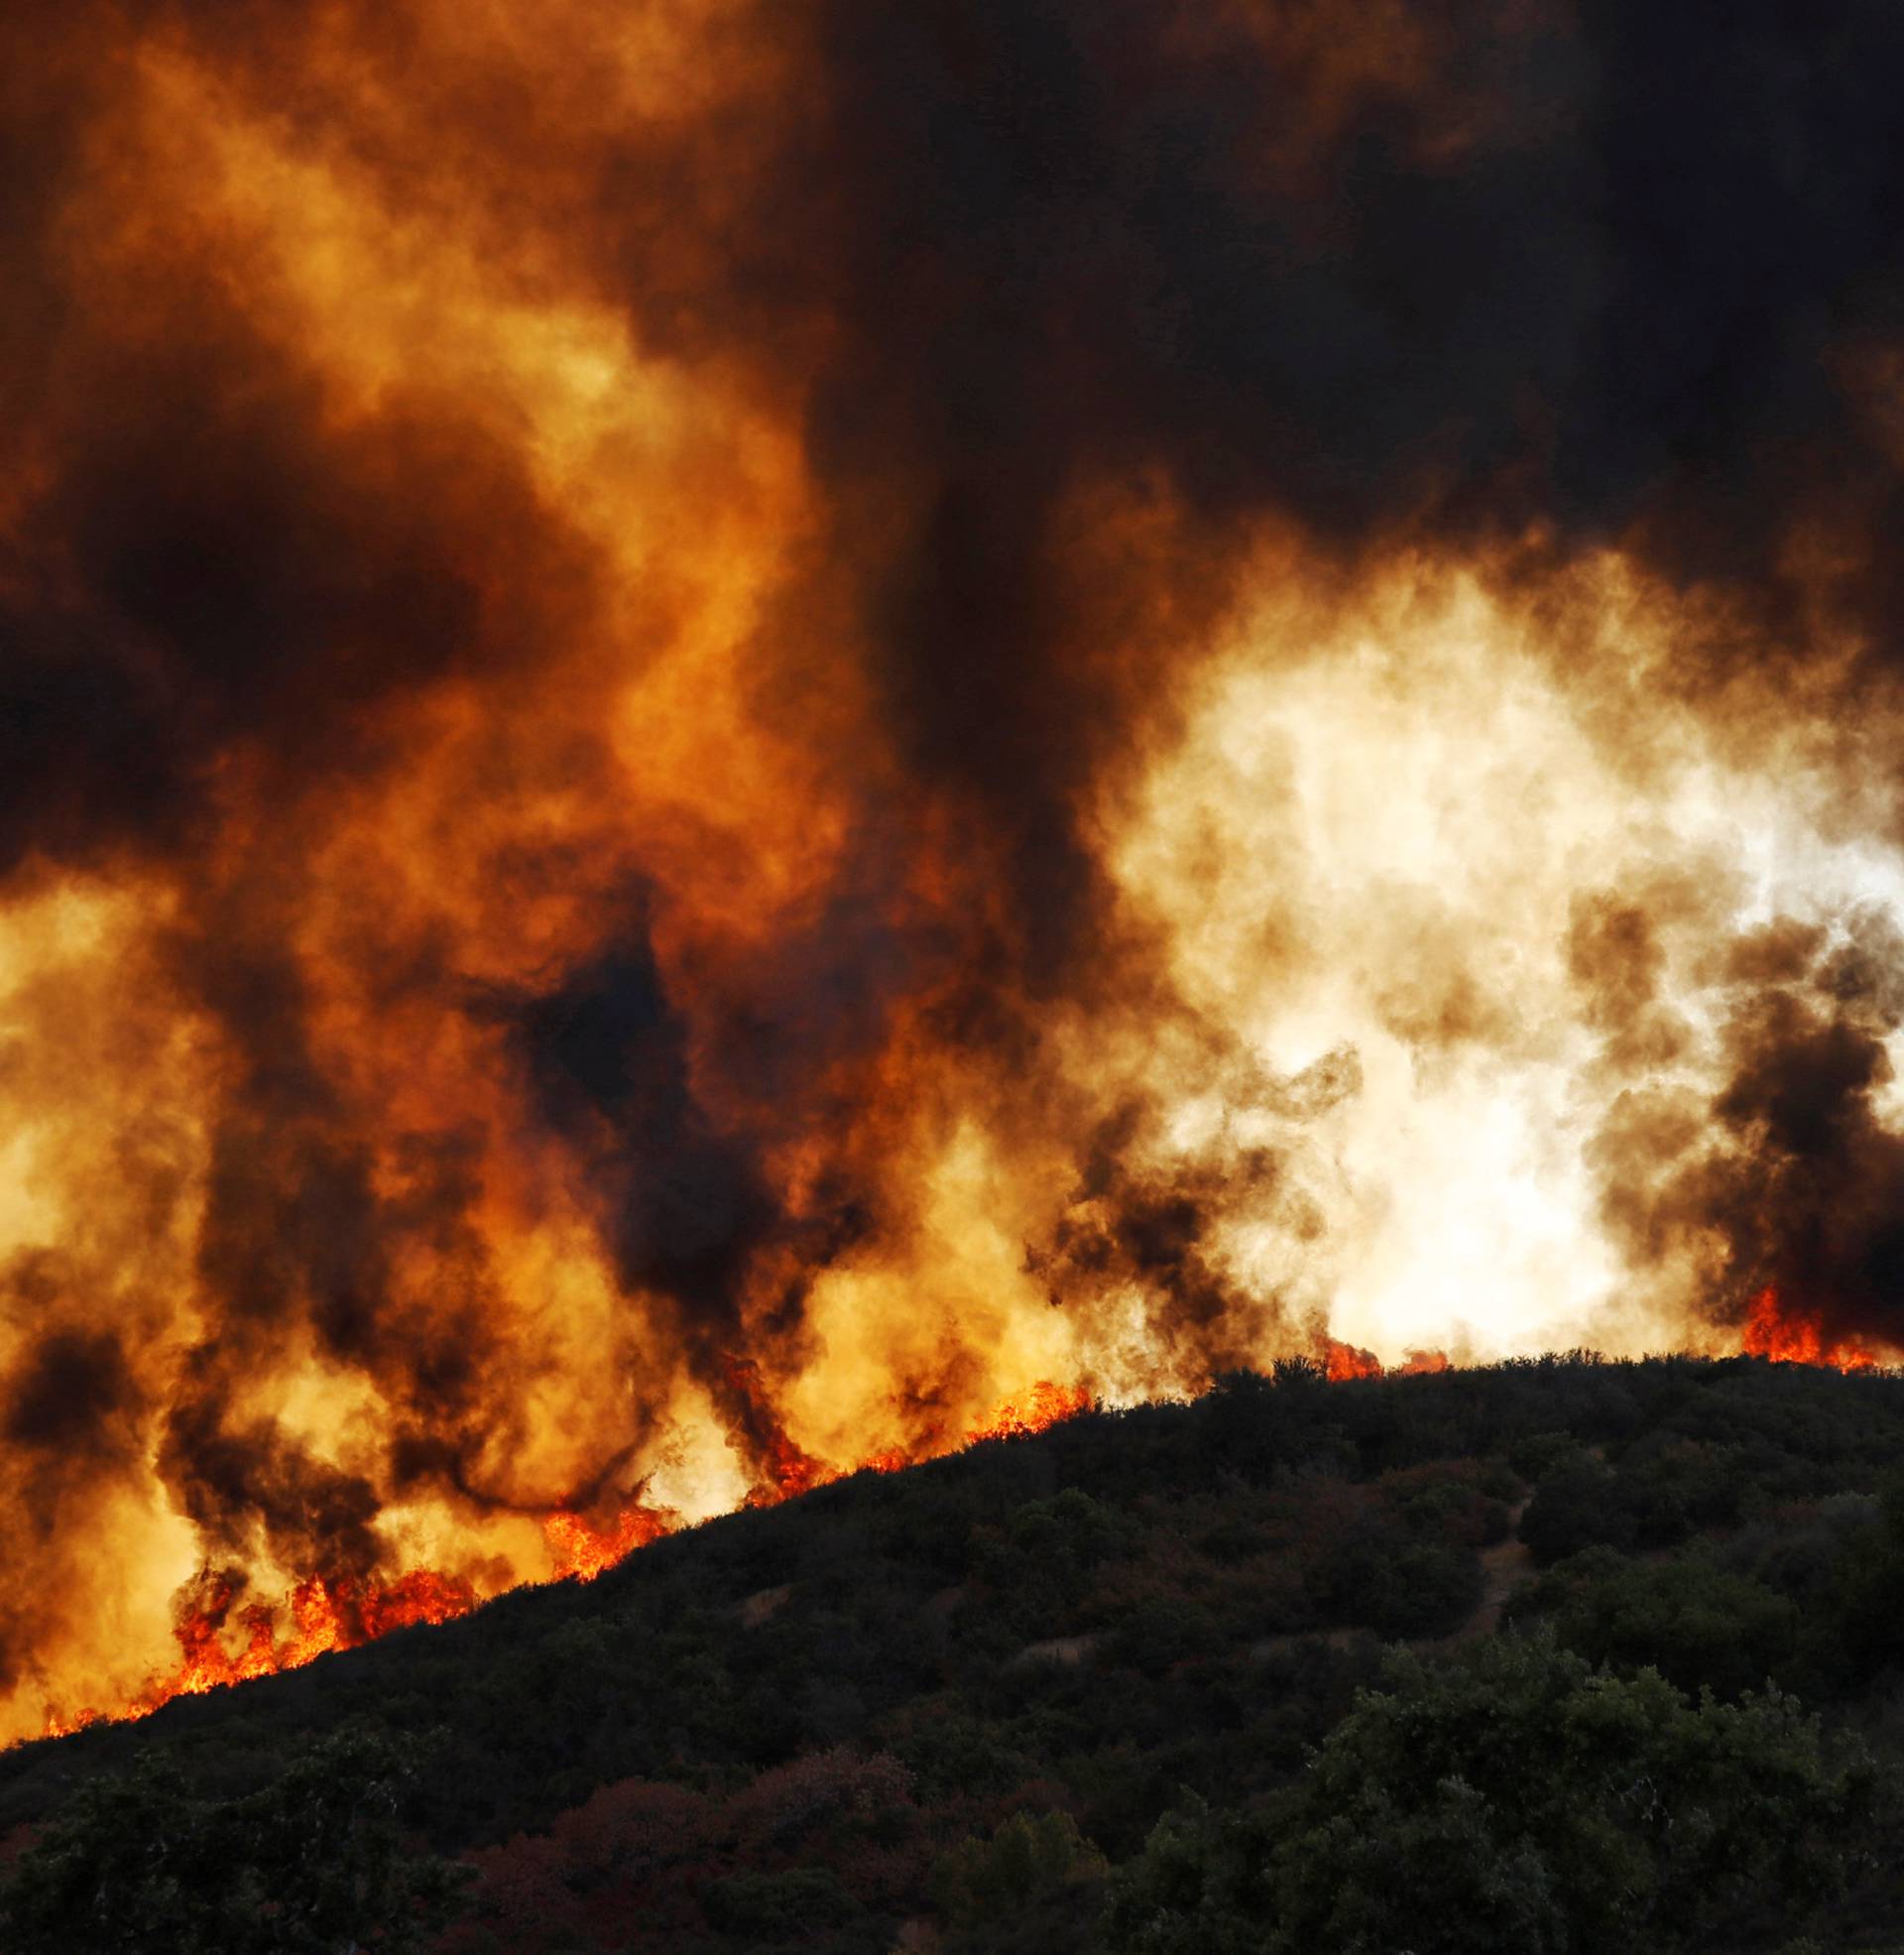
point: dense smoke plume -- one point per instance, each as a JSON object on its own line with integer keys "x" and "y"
{"x": 728, "y": 726}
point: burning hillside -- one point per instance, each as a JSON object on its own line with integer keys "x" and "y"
{"x": 728, "y": 727}
{"x": 221, "y": 1643}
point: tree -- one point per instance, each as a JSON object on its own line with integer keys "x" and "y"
{"x": 1516, "y": 1799}
{"x": 1697, "y": 1623}
{"x": 314, "y": 1864}
{"x": 1034, "y": 1885}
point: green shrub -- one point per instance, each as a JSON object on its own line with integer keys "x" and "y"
{"x": 1517, "y": 1800}
{"x": 1027, "y": 1860}
{"x": 1695, "y": 1622}
{"x": 312, "y": 1863}
{"x": 785, "y": 1906}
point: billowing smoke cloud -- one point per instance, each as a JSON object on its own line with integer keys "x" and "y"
{"x": 728, "y": 726}
{"x": 1779, "y": 1175}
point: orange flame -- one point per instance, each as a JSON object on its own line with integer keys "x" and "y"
{"x": 1341, "y": 1361}
{"x": 1418, "y": 1362}
{"x": 1044, "y": 1406}
{"x": 583, "y": 1550}
{"x": 789, "y": 1473}
{"x": 675, "y": 883}
{"x": 326, "y": 1612}
{"x": 342, "y": 1613}
{"x": 1776, "y": 1330}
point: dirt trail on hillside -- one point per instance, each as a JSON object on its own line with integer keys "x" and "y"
{"x": 1506, "y": 1567}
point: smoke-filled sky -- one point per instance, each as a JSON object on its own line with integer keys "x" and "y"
{"x": 728, "y": 725}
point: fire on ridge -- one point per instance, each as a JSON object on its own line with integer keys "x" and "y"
{"x": 727, "y": 724}
{"x": 222, "y": 1643}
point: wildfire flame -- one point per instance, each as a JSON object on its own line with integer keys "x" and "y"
{"x": 1775, "y": 1330}
{"x": 332, "y": 1615}
{"x": 582, "y": 1550}
{"x": 326, "y": 1614}
{"x": 1343, "y": 1361}
{"x": 1043, "y": 1406}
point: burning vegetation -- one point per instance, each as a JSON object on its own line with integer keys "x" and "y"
{"x": 728, "y": 726}
{"x": 222, "y": 1643}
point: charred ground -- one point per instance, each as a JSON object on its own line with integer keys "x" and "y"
{"x": 1062, "y": 1692}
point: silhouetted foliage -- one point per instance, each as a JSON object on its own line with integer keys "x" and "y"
{"x": 312, "y": 1864}
{"x": 1519, "y": 1800}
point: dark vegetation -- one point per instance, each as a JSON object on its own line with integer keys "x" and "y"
{"x": 1563, "y": 1655}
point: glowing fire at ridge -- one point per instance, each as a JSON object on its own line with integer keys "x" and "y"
{"x": 325, "y": 1614}
{"x": 1044, "y": 1406}
{"x": 342, "y": 1614}
{"x": 329, "y": 1615}
{"x": 583, "y": 1551}
{"x": 1344, "y": 1361}
{"x": 1774, "y": 1331}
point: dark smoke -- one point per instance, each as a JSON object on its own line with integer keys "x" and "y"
{"x": 685, "y": 1206}
{"x": 1787, "y": 1178}
{"x": 1134, "y": 1226}
{"x": 72, "y": 1418}
{"x": 217, "y": 574}
{"x": 1595, "y": 271}
{"x": 69, "y": 1395}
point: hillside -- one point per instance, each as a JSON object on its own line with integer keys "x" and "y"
{"x": 1064, "y": 1692}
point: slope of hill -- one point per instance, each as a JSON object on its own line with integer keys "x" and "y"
{"x": 1099, "y": 1688}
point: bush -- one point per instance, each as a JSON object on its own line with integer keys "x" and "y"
{"x": 1689, "y": 1619}
{"x": 1576, "y": 1505}
{"x": 1649, "y": 1821}
{"x": 312, "y": 1863}
{"x": 1379, "y": 1577}
{"x": 1162, "y": 1630}
{"x": 1028, "y": 1858}
{"x": 783, "y": 1907}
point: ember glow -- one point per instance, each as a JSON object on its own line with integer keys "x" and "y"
{"x": 728, "y": 727}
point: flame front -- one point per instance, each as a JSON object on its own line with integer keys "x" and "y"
{"x": 583, "y": 1551}
{"x": 220, "y": 1644}
{"x": 741, "y": 739}
{"x": 1789, "y": 1338}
